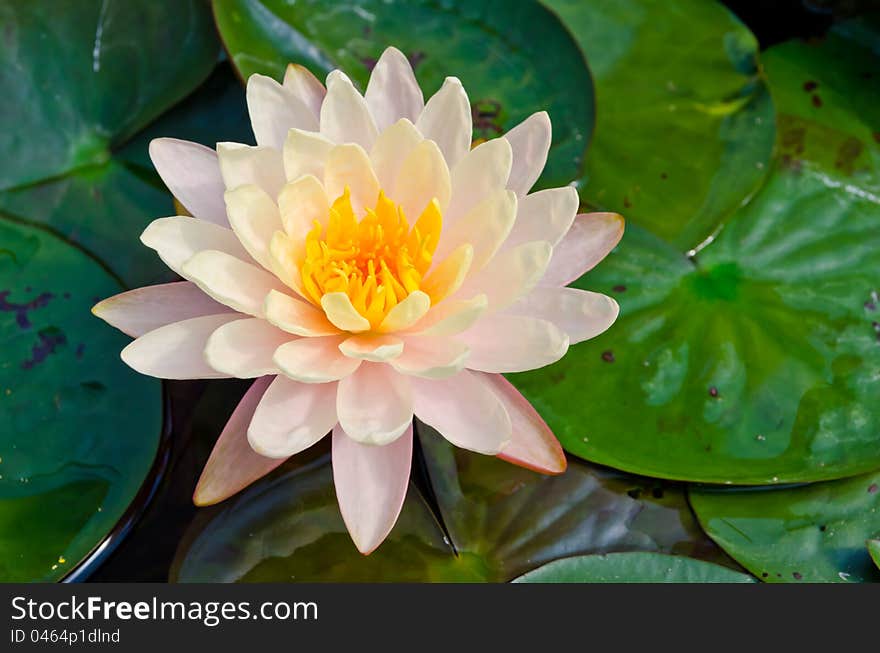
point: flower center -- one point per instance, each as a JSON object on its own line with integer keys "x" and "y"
{"x": 377, "y": 260}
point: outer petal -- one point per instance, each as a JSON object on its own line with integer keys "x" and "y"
{"x": 192, "y": 174}
{"x": 179, "y": 238}
{"x": 376, "y": 348}
{"x": 451, "y": 316}
{"x": 349, "y": 166}
{"x": 231, "y": 281}
{"x": 304, "y": 154}
{"x": 297, "y": 317}
{"x": 481, "y": 172}
{"x": 274, "y": 110}
{"x": 424, "y": 177}
{"x": 580, "y": 313}
{"x": 545, "y": 215}
{"x": 513, "y": 343}
{"x": 304, "y": 85}
{"x": 591, "y": 237}
{"x": 371, "y": 484}
{"x": 175, "y": 351}
{"x": 244, "y": 348}
{"x": 315, "y": 360}
{"x": 374, "y": 405}
{"x": 447, "y": 121}
{"x": 141, "y": 310}
{"x": 245, "y": 164}
{"x": 530, "y": 141}
{"x": 510, "y": 275}
{"x": 391, "y": 149}
{"x": 254, "y": 218}
{"x": 345, "y": 117}
{"x": 393, "y": 92}
{"x": 292, "y": 417}
{"x": 233, "y": 464}
{"x": 431, "y": 357}
{"x": 486, "y": 226}
{"x": 465, "y": 410}
{"x": 532, "y": 443}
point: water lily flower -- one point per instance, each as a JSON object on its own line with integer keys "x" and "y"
{"x": 366, "y": 265}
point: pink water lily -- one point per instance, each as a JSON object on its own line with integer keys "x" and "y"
{"x": 365, "y": 264}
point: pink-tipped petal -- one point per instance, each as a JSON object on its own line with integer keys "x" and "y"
{"x": 345, "y": 117}
{"x": 141, "y": 310}
{"x": 244, "y": 348}
{"x": 465, "y": 410}
{"x": 580, "y": 313}
{"x": 315, "y": 360}
{"x": 292, "y": 417}
{"x": 481, "y": 172}
{"x": 532, "y": 443}
{"x": 393, "y": 92}
{"x": 513, "y": 343}
{"x": 530, "y": 142}
{"x": 192, "y": 174}
{"x": 591, "y": 237}
{"x": 371, "y": 483}
{"x": 233, "y": 464}
{"x": 374, "y": 404}
{"x": 545, "y": 215}
{"x": 447, "y": 120}
{"x": 303, "y": 84}
{"x": 274, "y": 110}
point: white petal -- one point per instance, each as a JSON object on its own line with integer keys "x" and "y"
{"x": 371, "y": 484}
{"x": 244, "y": 348}
{"x": 513, "y": 343}
{"x": 480, "y": 173}
{"x": 393, "y": 92}
{"x": 374, "y": 405}
{"x": 530, "y": 141}
{"x": 255, "y": 219}
{"x": 304, "y": 154}
{"x": 231, "y": 281}
{"x": 296, "y": 316}
{"x": 375, "y": 348}
{"x": 292, "y": 417}
{"x": 451, "y": 316}
{"x": 176, "y": 351}
{"x": 431, "y": 357}
{"x": 406, "y": 313}
{"x": 465, "y": 410}
{"x": 301, "y": 203}
{"x": 447, "y": 121}
{"x": 143, "y": 309}
{"x": 178, "y": 238}
{"x": 424, "y": 177}
{"x": 342, "y": 313}
{"x": 511, "y": 274}
{"x": 391, "y": 149}
{"x": 580, "y": 313}
{"x": 345, "y": 117}
{"x": 315, "y": 360}
{"x": 591, "y": 237}
{"x": 545, "y": 215}
{"x": 274, "y": 110}
{"x": 303, "y": 84}
{"x": 192, "y": 174}
{"x": 348, "y": 166}
{"x": 246, "y": 164}
{"x": 486, "y": 226}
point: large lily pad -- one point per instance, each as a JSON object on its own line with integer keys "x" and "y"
{"x": 498, "y": 49}
{"x": 685, "y": 125}
{"x": 498, "y": 521}
{"x": 81, "y": 77}
{"x": 632, "y": 568}
{"x": 80, "y": 429}
{"x": 812, "y": 533}
{"x": 758, "y": 360}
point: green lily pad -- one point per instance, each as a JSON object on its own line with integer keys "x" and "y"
{"x": 80, "y": 78}
{"x": 685, "y": 125}
{"x": 80, "y": 429}
{"x": 498, "y": 49}
{"x": 874, "y": 550}
{"x": 814, "y": 533}
{"x": 500, "y": 521}
{"x": 632, "y": 568}
{"x": 758, "y": 360}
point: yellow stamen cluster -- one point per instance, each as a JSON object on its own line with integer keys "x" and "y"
{"x": 377, "y": 261}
